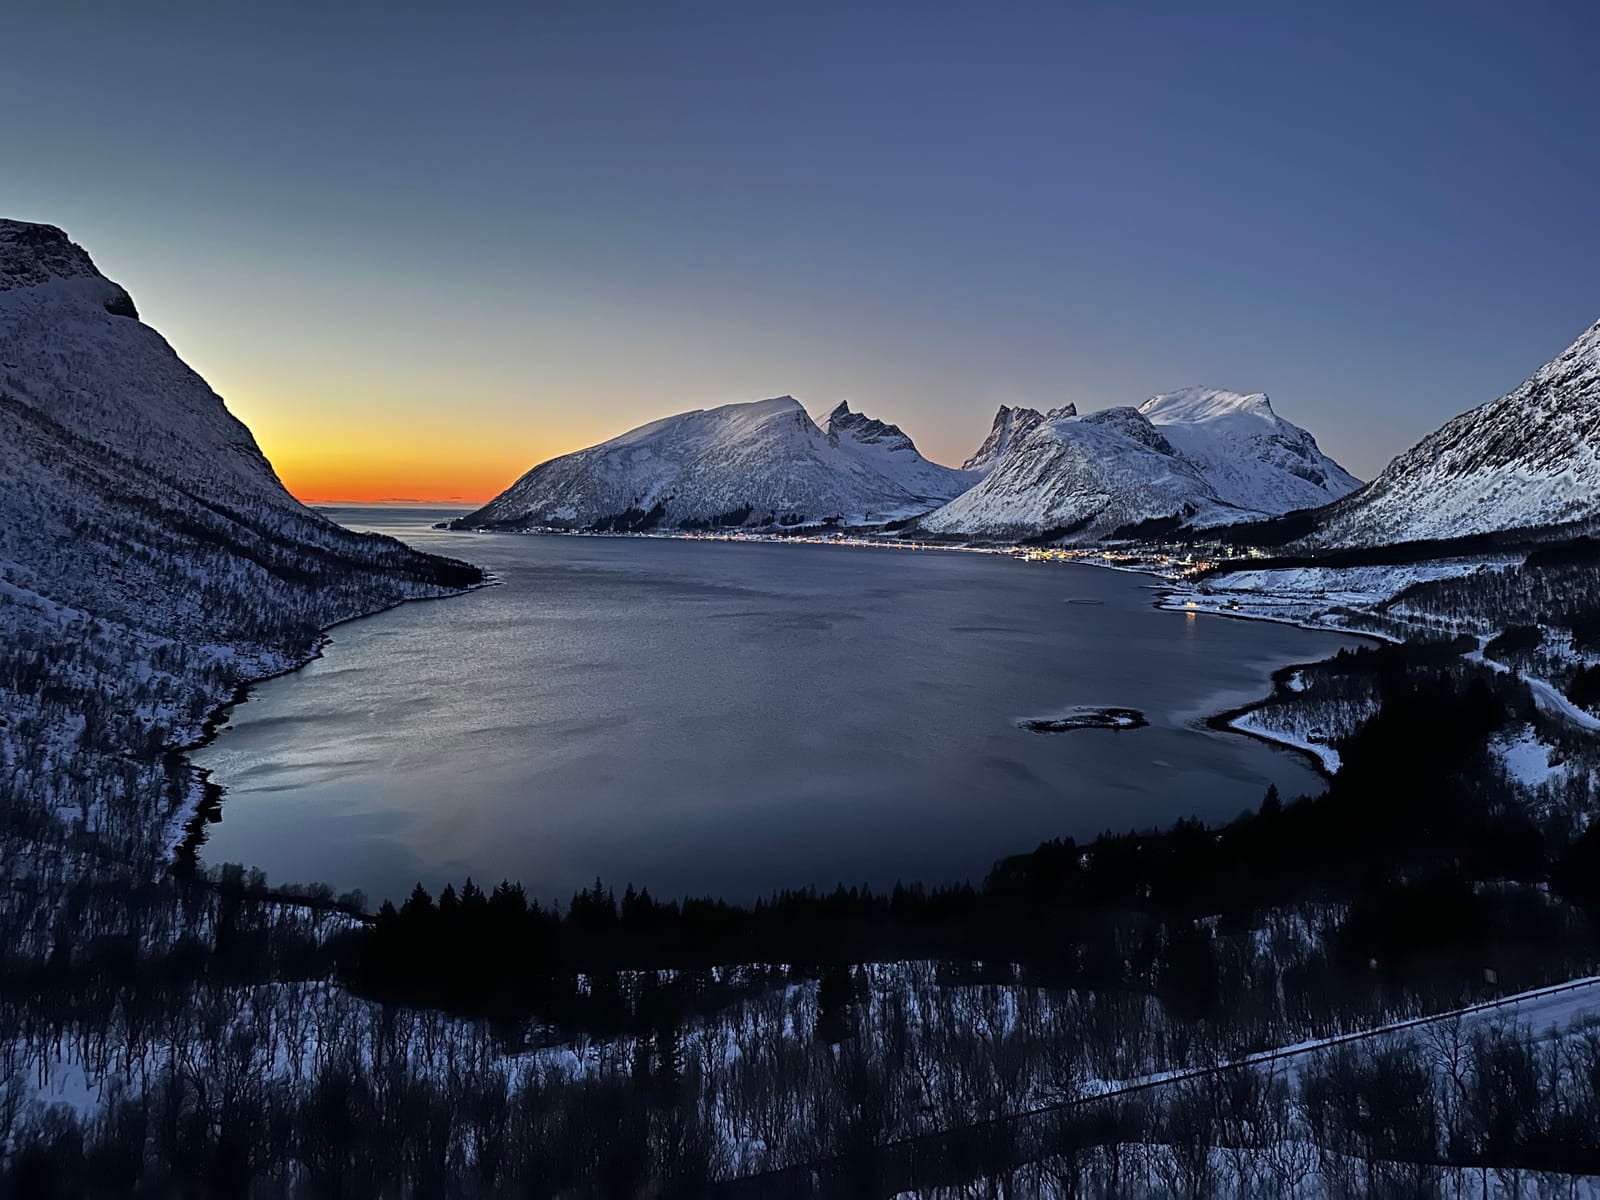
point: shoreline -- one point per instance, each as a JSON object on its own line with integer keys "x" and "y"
{"x": 1242, "y": 615}
{"x": 1168, "y": 590}
{"x": 1223, "y": 722}
{"x": 186, "y": 826}
{"x": 1227, "y": 720}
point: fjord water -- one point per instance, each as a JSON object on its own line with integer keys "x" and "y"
{"x": 728, "y": 718}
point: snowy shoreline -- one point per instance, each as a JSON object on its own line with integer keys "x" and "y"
{"x": 1241, "y": 719}
{"x": 1238, "y": 720}
{"x": 1324, "y": 759}
{"x": 185, "y": 826}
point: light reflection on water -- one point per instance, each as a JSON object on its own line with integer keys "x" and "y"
{"x": 730, "y": 718}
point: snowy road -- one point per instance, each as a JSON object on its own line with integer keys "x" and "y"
{"x": 1549, "y": 699}
{"x": 1546, "y": 695}
{"x": 1547, "y": 1011}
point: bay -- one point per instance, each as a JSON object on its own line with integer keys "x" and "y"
{"x": 727, "y": 718}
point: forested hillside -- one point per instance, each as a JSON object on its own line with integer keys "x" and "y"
{"x": 151, "y": 565}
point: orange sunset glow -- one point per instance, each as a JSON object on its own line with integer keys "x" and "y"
{"x": 320, "y": 476}
{"x": 357, "y": 455}
{"x": 425, "y": 466}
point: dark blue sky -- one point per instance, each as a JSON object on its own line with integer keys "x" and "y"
{"x": 363, "y": 224}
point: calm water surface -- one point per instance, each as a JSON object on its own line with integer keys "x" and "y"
{"x": 712, "y": 717}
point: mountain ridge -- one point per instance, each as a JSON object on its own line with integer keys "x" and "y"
{"x": 1199, "y": 456}
{"x": 760, "y": 462}
{"x": 1527, "y": 459}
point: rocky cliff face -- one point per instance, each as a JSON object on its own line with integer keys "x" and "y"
{"x": 1010, "y": 424}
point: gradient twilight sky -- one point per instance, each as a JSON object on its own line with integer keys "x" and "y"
{"x": 420, "y": 247}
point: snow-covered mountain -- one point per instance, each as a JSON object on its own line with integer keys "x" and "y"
{"x": 886, "y": 449}
{"x": 1530, "y": 458}
{"x": 1253, "y": 458}
{"x": 1009, "y": 425}
{"x": 758, "y": 463}
{"x": 1084, "y": 476}
{"x": 1200, "y": 455}
{"x": 150, "y": 560}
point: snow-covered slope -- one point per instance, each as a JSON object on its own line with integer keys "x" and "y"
{"x": 755, "y": 463}
{"x": 150, "y": 560}
{"x": 888, "y": 451}
{"x": 1252, "y": 458}
{"x": 1530, "y": 458}
{"x": 1201, "y": 455}
{"x": 1085, "y": 476}
{"x": 1010, "y": 424}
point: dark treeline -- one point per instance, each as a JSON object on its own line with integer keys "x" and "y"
{"x": 1400, "y": 839}
{"x": 1540, "y": 616}
{"x": 1292, "y": 527}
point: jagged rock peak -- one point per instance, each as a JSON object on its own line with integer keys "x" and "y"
{"x": 1010, "y": 423}
{"x": 31, "y": 255}
{"x": 843, "y": 422}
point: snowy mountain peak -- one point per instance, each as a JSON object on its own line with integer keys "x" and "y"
{"x": 75, "y": 353}
{"x": 1204, "y": 456}
{"x": 1202, "y": 404}
{"x": 34, "y": 255}
{"x": 759, "y": 463}
{"x": 862, "y": 428}
{"x": 757, "y": 409}
{"x": 1010, "y": 424}
{"x": 1232, "y": 436}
